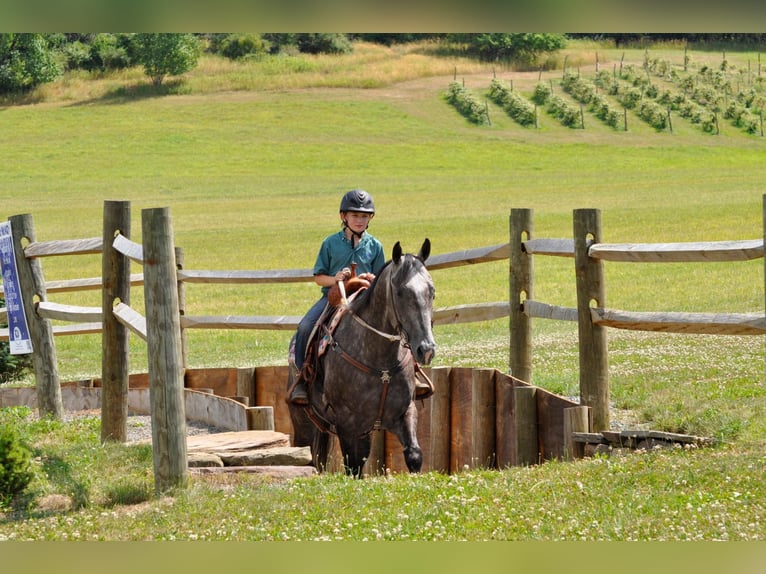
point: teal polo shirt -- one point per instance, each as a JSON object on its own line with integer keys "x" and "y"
{"x": 337, "y": 252}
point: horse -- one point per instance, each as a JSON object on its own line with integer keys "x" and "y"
{"x": 365, "y": 377}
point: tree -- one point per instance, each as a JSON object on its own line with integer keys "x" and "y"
{"x": 167, "y": 54}
{"x": 523, "y": 48}
{"x": 26, "y": 61}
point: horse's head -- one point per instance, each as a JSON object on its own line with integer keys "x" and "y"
{"x": 412, "y": 291}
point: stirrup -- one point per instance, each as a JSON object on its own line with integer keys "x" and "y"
{"x": 424, "y": 388}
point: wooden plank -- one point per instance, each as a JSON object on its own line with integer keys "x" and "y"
{"x": 131, "y": 319}
{"x": 130, "y": 249}
{"x": 554, "y": 247}
{"x": 576, "y": 420}
{"x": 550, "y": 421}
{"x": 469, "y": 256}
{"x": 461, "y": 419}
{"x": 471, "y": 313}
{"x": 472, "y": 419}
{"x": 246, "y": 276}
{"x": 679, "y": 252}
{"x": 72, "y": 313}
{"x": 545, "y": 311}
{"x": 73, "y": 329}
{"x": 505, "y": 431}
{"x": 270, "y": 390}
{"x": 526, "y": 430}
{"x": 87, "y": 284}
{"x": 222, "y": 380}
{"x": 63, "y": 247}
{"x": 266, "y": 322}
{"x": 77, "y": 329}
{"x": 672, "y": 322}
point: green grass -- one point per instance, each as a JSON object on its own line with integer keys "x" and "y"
{"x": 252, "y": 160}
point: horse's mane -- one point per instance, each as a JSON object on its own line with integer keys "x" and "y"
{"x": 407, "y": 265}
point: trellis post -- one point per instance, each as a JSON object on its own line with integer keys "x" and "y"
{"x": 115, "y": 337}
{"x": 163, "y": 337}
{"x": 591, "y": 292}
{"x": 521, "y": 289}
{"x": 32, "y": 285}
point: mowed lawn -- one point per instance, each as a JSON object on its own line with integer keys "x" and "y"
{"x": 252, "y": 164}
{"x": 252, "y": 159}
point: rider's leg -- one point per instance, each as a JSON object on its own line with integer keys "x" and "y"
{"x": 299, "y": 394}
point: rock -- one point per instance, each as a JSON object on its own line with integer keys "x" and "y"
{"x": 203, "y": 459}
{"x": 279, "y": 456}
{"x": 284, "y": 472}
{"x": 227, "y": 442}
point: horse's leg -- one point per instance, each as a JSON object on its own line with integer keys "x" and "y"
{"x": 320, "y": 449}
{"x": 406, "y": 432}
{"x": 355, "y": 452}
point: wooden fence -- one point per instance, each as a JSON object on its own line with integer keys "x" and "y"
{"x": 165, "y": 280}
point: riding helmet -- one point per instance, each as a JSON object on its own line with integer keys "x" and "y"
{"x": 357, "y": 200}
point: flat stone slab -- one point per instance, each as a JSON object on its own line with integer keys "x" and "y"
{"x": 198, "y": 459}
{"x": 228, "y": 442}
{"x": 281, "y": 455}
{"x": 284, "y": 472}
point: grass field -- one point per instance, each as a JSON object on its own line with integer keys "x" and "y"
{"x": 252, "y": 160}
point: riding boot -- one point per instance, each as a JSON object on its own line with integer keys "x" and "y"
{"x": 300, "y": 394}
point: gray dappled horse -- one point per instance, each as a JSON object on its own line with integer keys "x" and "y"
{"x": 366, "y": 376}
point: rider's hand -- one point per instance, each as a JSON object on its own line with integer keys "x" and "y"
{"x": 343, "y": 274}
{"x": 367, "y": 277}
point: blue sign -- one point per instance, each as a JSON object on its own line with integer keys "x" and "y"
{"x": 18, "y": 331}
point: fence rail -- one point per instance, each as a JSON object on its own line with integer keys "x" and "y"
{"x": 519, "y": 250}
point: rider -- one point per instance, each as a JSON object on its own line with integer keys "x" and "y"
{"x": 351, "y": 245}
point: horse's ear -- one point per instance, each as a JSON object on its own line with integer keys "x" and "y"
{"x": 397, "y": 256}
{"x": 425, "y": 250}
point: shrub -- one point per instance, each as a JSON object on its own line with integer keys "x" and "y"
{"x": 12, "y": 367}
{"x": 653, "y": 114}
{"x": 26, "y": 61}
{"x": 569, "y": 116}
{"x": 237, "y": 46}
{"x": 109, "y": 53}
{"x": 324, "y": 43}
{"x": 517, "y": 107}
{"x": 167, "y": 54}
{"x": 15, "y": 466}
{"x": 542, "y": 93}
{"x": 467, "y": 104}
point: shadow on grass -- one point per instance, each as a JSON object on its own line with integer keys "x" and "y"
{"x": 137, "y": 92}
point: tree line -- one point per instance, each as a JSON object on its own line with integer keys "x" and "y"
{"x": 28, "y": 60}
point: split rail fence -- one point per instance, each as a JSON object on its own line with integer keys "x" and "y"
{"x": 511, "y": 440}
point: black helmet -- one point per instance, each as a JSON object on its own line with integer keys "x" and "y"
{"x": 357, "y": 200}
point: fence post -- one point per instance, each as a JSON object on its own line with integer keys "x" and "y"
{"x": 591, "y": 291}
{"x": 32, "y": 285}
{"x": 115, "y": 337}
{"x": 163, "y": 337}
{"x": 521, "y": 289}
